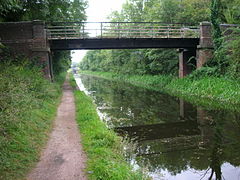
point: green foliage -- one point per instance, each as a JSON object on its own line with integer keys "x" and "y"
{"x": 223, "y": 92}
{"x": 229, "y": 54}
{"x": 8, "y": 6}
{"x": 103, "y": 147}
{"x": 194, "y": 11}
{"x": 226, "y": 56}
{"x": 61, "y": 62}
{"x": 161, "y": 61}
{"x": 215, "y": 19}
{"x": 147, "y": 61}
{"x": 47, "y": 10}
{"x": 28, "y": 103}
{"x": 230, "y": 11}
{"x": 204, "y": 72}
{"x": 169, "y": 10}
{"x": 1, "y": 46}
{"x": 132, "y": 10}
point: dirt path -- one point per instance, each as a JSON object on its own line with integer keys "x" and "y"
{"x": 63, "y": 157}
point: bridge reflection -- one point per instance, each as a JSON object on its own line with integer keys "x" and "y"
{"x": 186, "y": 125}
{"x": 160, "y": 131}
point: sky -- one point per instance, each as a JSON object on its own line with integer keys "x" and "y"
{"x": 97, "y": 11}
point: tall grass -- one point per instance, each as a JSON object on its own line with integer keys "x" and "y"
{"x": 209, "y": 91}
{"x": 105, "y": 159}
{"x": 28, "y": 104}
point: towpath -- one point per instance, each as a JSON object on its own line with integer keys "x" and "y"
{"x": 63, "y": 158}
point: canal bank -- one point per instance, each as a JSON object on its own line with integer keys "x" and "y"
{"x": 211, "y": 92}
{"x": 172, "y": 138}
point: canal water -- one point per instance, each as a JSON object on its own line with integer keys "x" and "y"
{"x": 171, "y": 138}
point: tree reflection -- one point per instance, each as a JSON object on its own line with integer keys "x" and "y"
{"x": 169, "y": 133}
{"x": 217, "y": 151}
{"x": 216, "y": 162}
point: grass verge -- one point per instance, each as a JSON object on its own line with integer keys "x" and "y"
{"x": 28, "y": 105}
{"x": 211, "y": 92}
{"x": 103, "y": 147}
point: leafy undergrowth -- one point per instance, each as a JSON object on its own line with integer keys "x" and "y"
{"x": 211, "y": 92}
{"x": 103, "y": 147}
{"x": 28, "y": 104}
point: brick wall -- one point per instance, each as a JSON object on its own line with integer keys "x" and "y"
{"x": 29, "y": 39}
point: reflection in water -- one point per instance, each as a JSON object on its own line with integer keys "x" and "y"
{"x": 172, "y": 138}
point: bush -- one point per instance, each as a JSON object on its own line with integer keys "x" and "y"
{"x": 27, "y": 107}
{"x": 204, "y": 72}
{"x": 228, "y": 55}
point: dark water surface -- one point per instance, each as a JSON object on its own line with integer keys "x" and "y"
{"x": 172, "y": 138}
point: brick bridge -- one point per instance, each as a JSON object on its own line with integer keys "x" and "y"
{"x": 39, "y": 39}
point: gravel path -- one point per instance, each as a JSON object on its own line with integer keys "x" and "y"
{"x": 63, "y": 158}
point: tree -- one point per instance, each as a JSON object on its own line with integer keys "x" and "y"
{"x": 169, "y": 11}
{"x": 10, "y": 9}
{"x": 231, "y": 11}
{"x": 215, "y": 19}
{"x": 47, "y": 10}
{"x": 194, "y": 11}
{"x": 149, "y": 61}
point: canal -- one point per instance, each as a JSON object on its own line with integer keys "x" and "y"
{"x": 171, "y": 138}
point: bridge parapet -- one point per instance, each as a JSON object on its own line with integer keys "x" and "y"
{"x": 88, "y": 30}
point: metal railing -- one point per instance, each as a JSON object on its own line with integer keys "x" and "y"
{"x": 87, "y": 30}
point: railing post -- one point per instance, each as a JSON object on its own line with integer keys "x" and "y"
{"x": 118, "y": 30}
{"x": 182, "y": 31}
{"x": 79, "y": 30}
{"x": 153, "y": 30}
{"x": 49, "y": 35}
{"x": 65, "y": 31}
{"x": 83, "y": 29}
{"x": 168, "y": 35}
{"x": 101, "y": 29}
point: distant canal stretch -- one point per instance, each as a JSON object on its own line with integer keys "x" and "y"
{"x": 173, "y": 139}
